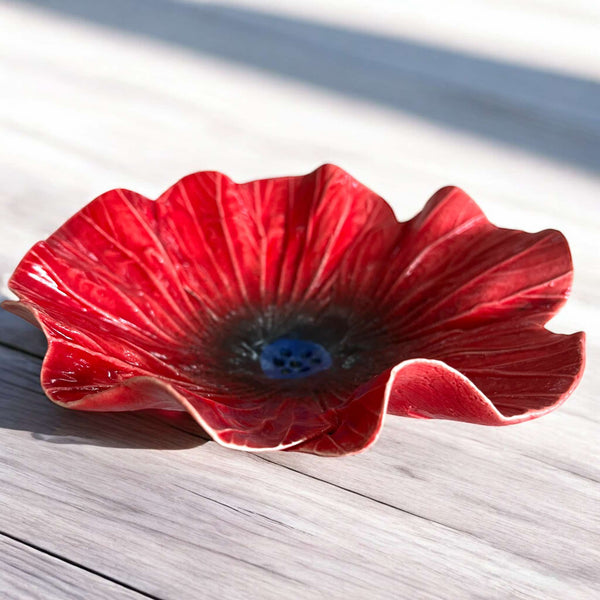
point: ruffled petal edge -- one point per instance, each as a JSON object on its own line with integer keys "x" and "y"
{"x": 348, "y": 430}
{"x": 358, "y": 424}
{"x": 431, "y": 389}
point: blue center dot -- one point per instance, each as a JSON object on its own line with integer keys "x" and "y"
{"x": 288, "y": 358}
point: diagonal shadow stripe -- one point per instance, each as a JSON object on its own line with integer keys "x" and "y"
{"x": 548, "y": 113}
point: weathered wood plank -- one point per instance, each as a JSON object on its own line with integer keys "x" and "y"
{"x": 510, "y": 30}
{"x": 28, "y": 573}
{"x": 205, "y": 520}
{"x": 535, "y": 478}
{"x": 18, "y": 334}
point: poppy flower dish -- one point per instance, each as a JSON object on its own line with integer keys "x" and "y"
{"x": 295, "y": 313}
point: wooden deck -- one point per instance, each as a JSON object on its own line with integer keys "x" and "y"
{"x": 501, "y": 98}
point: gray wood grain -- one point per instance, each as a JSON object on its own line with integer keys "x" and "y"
{"x": 550, "y": 113}
{"x": 29, "y": 573}
{"x": 95, "y": 97}
{"x": 133, "y": 499}
{"x": 18, "y": 334}
{"x": 174, "y": 523}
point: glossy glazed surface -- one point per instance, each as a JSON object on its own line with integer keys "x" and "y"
{"x": 169, "y": 305}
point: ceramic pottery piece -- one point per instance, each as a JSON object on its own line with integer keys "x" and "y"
{"x": 295, "y": 313}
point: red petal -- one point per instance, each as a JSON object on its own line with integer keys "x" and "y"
{"x": 273, "y": 423}
{"x": 273, "y": 241}
{"x": 106, "y": 274}
{"x": 358, "y": 424}
{"x": 490, "y": 376}
{"x": 71, "y": 373}
{"x": 454, "y": 269}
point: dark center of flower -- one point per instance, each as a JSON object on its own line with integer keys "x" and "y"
{"x": 288, "y": 358}
{"x": 308, "y": 351}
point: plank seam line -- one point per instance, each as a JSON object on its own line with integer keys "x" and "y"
{"x": 79, "y": 566}
{"x": 381, "y": 502}
{"x": 21, "y": 350}
{"x": 445, "y": 526}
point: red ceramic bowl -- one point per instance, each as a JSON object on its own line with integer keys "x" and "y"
{"x": 294, "y": 313}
